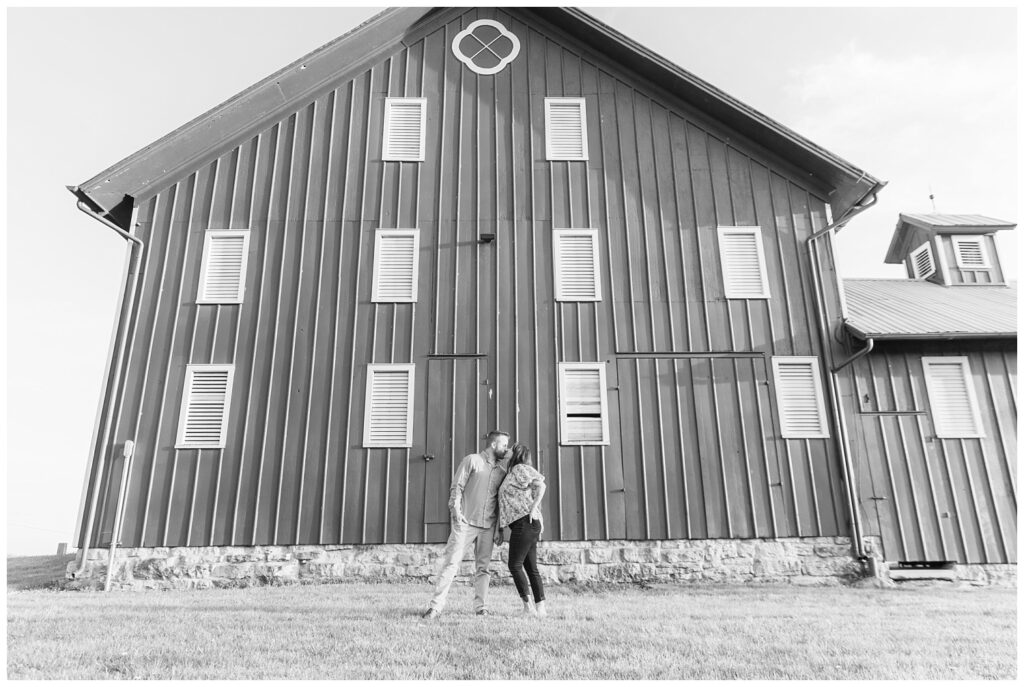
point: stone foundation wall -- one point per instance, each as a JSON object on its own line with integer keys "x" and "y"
{"x": 808, "y": 561}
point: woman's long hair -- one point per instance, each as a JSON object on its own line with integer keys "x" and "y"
{"x": 520, "y": 454}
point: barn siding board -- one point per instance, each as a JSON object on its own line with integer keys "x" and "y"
{"x": 312, "y": 189}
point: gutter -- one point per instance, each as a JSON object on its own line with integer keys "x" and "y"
{"x": 100, "y": 448}
{"x": 838, "y": 418}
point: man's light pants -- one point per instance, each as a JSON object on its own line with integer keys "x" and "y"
{"x": 462, "y": 535}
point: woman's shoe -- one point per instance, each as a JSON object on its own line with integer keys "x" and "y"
{"x": 528, "y": 609}
{"x": 540, "y": 610}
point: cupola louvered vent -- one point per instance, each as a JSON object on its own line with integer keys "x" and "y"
{"x": 922, "y": 262}
{"x": 798, "y": 390}
{"x": 584, "y": 404}
{"x": 404, "y": 123}
{"x": 388, "y": 412}
{"x": 577, "y": 266}
{"x": 222, "y": 275}
{"x": 951, "y": 396}
{"x": 566, "y": 127}
{"x": 204, "y": 409}
{"x": 970, "y": 252}
{"x": 743, "y": 267}
{"x": 395, "y": 265}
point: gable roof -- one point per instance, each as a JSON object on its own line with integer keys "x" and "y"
{"x": 937, "y": 223}
{"x": 113, "y": 191}
{"x": 906, "y": 309}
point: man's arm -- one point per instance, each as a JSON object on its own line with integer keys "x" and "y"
{"x": 458, "y": 485}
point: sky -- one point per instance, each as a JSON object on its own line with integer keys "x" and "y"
{"x": 924, "y": 98}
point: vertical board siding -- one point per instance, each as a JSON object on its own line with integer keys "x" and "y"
{"x": 929, "y": 498}
{"x": 696, "y": 451}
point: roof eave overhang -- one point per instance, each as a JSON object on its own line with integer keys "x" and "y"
{"x": 864, "y": 335}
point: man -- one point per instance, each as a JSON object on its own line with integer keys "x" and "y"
{"x": 474, "y": 510}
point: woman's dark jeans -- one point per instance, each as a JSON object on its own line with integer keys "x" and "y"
{"x": 522, "y": 553}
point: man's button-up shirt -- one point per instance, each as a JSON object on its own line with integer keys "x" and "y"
{"x": 475, "y": 489}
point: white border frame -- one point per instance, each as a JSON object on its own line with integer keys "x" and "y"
{"x": 556, "y": 236}
{"x": 379, "y": 235}
{"x": 926, "y": 246}
{"x": 468, "y": 61}
{"x": 371, "y": 371}
{"x": 201, "y": 297}
{"x": 982, "y": 248}
{"x": 726, "y": 288}
{"x": 186, "y": 394}
{"x": 562, "y": 416}
{"x": 421, "y": 155}
{"x": 582, "y": 102}
{"x": 785, "y": 431}
{"x": 972, "y": 396}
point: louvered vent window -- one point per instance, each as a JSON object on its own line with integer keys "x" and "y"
{"x": 970, "y": 252}
{"x": 204, "y": 408}
{"x": 583, "y": 403}
{"x": 404, "y": 125}
{"x": 743, "y": 268}
{"x": 388, "y": 412}
{"x": 577, "y": 266}
{"x": 951, "y": 396}
{"x": 395, "y": 265}
{"x": 922, "y": 262}
{"x": 566, "y": 127}
{"x": 798, "y": 391}
{"x": 222, "y": 275}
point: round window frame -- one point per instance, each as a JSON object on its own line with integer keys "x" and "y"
{"x": 468, "y": 61}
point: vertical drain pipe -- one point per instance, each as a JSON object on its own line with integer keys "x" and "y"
{"x": 115, "y": 535}
{"x": 138, "y": 249}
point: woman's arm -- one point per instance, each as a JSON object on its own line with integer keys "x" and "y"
{"x": 538, "y": 494}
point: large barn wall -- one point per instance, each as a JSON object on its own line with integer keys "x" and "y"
{"x": 700, "y": 459}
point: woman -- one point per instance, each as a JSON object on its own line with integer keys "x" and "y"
{"x": 519, "y": 509}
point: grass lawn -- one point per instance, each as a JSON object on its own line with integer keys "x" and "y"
{"x": 368, "y": 631}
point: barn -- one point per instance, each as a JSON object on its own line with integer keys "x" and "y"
{"x": 451, "y": 220}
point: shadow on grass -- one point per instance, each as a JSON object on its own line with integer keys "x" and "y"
{"x": 36, "y": 572}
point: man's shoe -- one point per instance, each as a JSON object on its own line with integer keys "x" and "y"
{"x": 431, "y": 614}
{"x": 483, "y": 611}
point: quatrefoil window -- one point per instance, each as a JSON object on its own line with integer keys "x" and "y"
{"x": 485, "y": 46}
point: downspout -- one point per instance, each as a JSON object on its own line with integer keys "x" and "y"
{"x": 838, "y": 418}
{"x": 868, "y": 347}
{"x": 138, "y": 249}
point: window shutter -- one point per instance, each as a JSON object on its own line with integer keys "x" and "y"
{"x": 743, "y": 267}
{"x": 566, "y": 127}
{"x": 951, "y": 397}
{"x": 584, "y": 404}
{"x": 222, "y": 275}
{"x": 388, "y": 412}
{"x": 204, "y": 409}
{"x": 970, "y": 252}
{"x": 798, "y": 391}
{"x": 577, "y": 265}
{"x": 404, "y": 125}
{"x": 395, "y": 265}
{"x": 921, "y": 259}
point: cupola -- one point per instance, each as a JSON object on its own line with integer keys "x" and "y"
{"x": 952, "y": 250}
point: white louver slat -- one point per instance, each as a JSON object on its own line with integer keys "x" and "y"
{"x": 743, "y": 265}
{"x": 584, "y": 416}
{"x": 395, "y": 267}
{"x": 798, "y": 390}
{"x": 205, "y": 404}
{"x": 222, "y": 275}
{"x": 921, "y": 259}
{"x": 576, "y": 264}
{"x": 970, "y": 252}
{"x": 566, "y": 128}
{"x": 404, "y": 124}
{"x": 954, "y": 406}
{"x": 388, "y": 412}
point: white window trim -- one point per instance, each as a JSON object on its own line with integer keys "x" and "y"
{"x": 756, "y": 232}
{"x": 371, "y": 370}
{"x": 924, "y": 247}
{"x": 562, "y": 414}
{"x": 982, "y": 248}
{"x": 819, "y": 397}
{"x": 556, "y": 236}
{"x": 211, "y": 236}
{"x": 379, "y": 235}
{"x": 421, "y": 155}
{"x": 583, "y": 128}
{"x": 972, "y": 397}
{"x": 190, "y": 371}
{"x": 468, "y": 61}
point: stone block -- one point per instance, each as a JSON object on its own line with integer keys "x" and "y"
{"x": 680, "y": 556}
{"x": 832, "y": 550}
{"x": 626, "y": 572}
{"x": 322, "y": 570}
{"x": 776, "y": 567}
{"x": 603, "y": 555}
{"x": 248, "y": 557}
{"x": 559, "y": 556}
{"x": 278, "y": 553}
{"x": 579, "y": 572}
{"x": 641, "y": 554}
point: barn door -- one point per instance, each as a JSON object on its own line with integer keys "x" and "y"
{"x": 456, "y": 415}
